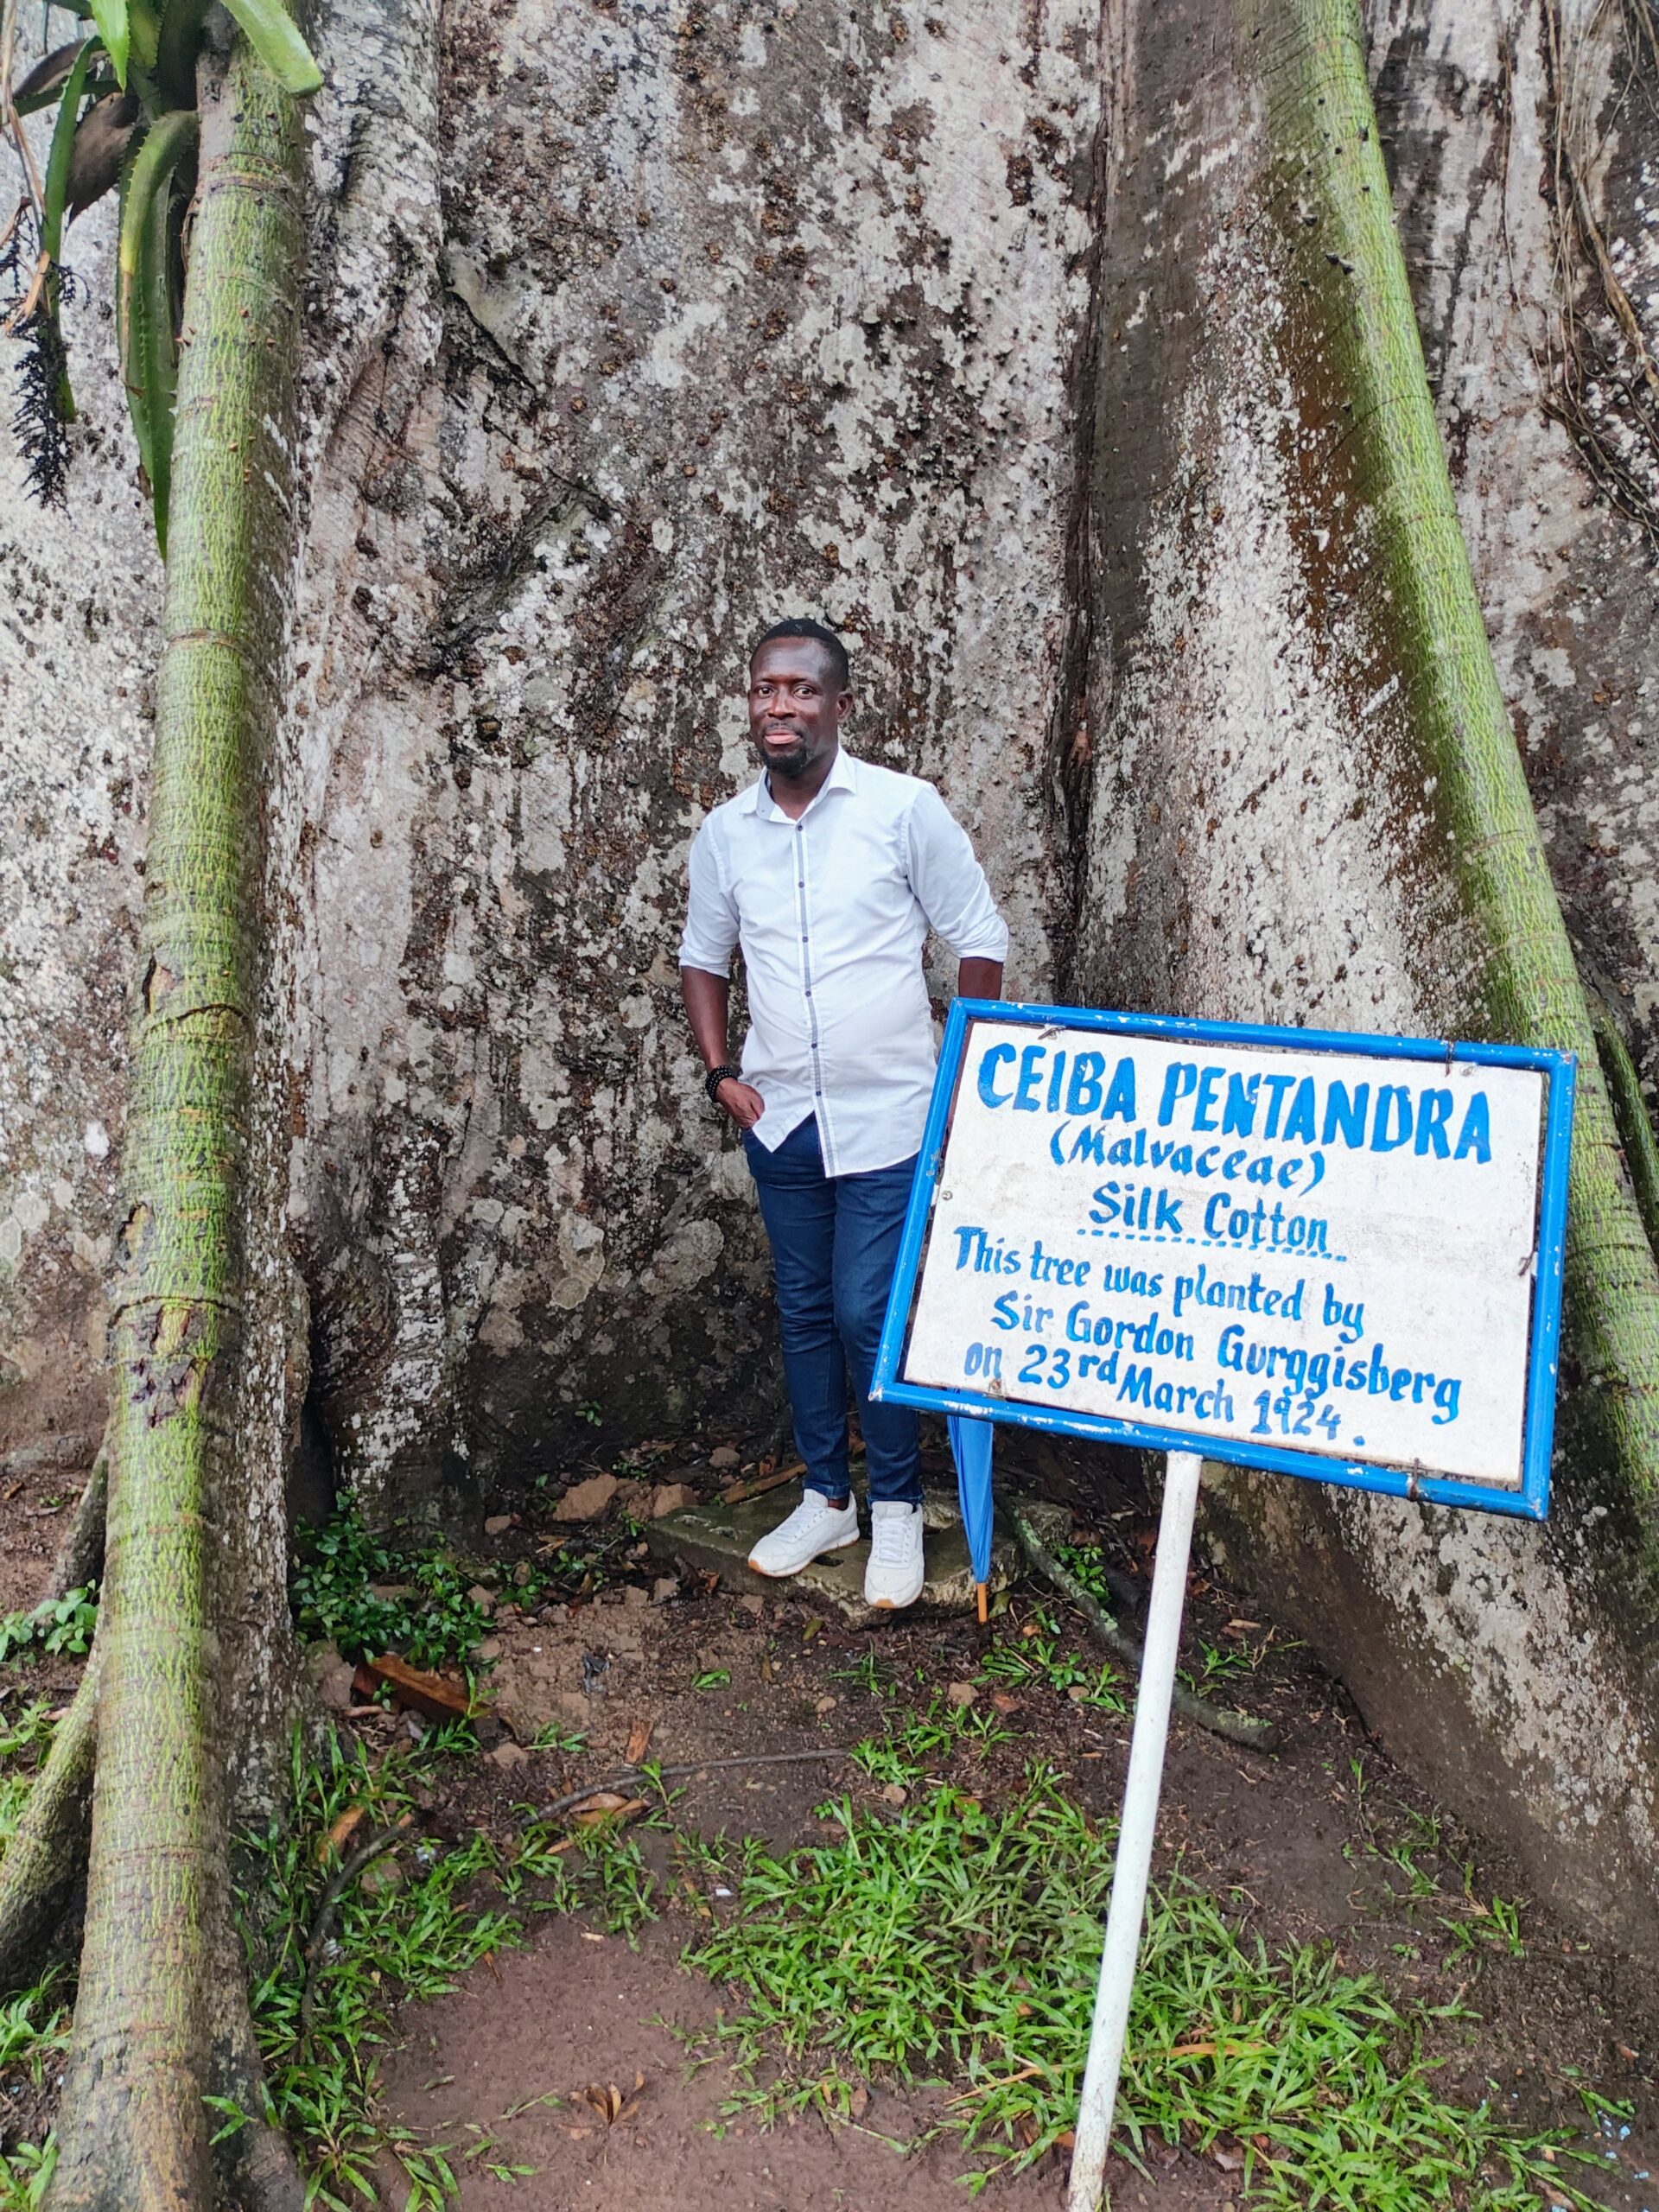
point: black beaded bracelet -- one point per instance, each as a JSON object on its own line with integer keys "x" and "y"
{"x": 715, "y": 1077}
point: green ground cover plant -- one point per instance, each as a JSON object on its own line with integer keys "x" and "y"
{"x": 405, "y": 1928}
{"x": 1040, "y": 1657}
{"x": 958, "y": 1944}
{"x": 420, "y": 1610}
{"x": 61, "y": 1625}
{"x": 955, "y": 1943}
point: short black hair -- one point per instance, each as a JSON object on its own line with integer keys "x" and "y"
{"x": 802, "y": 626}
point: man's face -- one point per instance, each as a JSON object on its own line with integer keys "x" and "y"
{"x": 795, "y": 712}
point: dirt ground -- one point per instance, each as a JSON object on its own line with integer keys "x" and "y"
{"x": 1313, "y": 1835}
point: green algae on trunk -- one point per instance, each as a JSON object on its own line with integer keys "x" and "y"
{"x": 148, "y": 2025}
{"x": 1327, "y": 193}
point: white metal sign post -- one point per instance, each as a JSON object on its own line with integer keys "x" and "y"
{"x": 1332, "y": 1256}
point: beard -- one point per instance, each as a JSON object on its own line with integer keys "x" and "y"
{"x": 789, "y": 762}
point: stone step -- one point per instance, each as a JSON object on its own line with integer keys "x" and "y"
{"x": 717, "y": 1538}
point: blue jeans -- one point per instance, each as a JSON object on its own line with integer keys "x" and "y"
{"x": 835, "y": 1240}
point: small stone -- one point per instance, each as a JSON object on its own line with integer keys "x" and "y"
{"x": 331, "y": 1676}
{"x": 664, "y": 1588}
{"x": 586, "y": 1501}
{"x": 895, "y": 1794}
{"x": 497, "y": 1524}
{"x": 389, "y": 1592}
{"x": 381, "y": 1874}
{"x": 754, "y": 1604}
{"x": 483, "y": 1598}
{"x": 490, "y": 1647}
{"x": 1076, "y": 1692}
{"x": 508, "y": 1755}
{"x": 521, "y": 1573}
{"x": 671, "y": 1497}
{"x": 961, "y": 1694}
{"x": 633, "y": 1596}
{"x": 826, "y": 1704}
{"x": 1004, "y": 1702}
{"x": 724, "y": 1455}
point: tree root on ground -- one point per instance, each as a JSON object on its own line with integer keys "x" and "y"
{"x": 1237, "y": 1727}
{"x": 47, "y": 1856}
{"x": 80, "y": 1555}
{"x": 328, "y": 1902}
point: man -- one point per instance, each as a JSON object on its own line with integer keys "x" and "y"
{"x": 829, "y": 872}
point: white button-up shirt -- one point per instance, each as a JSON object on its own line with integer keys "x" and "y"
{"x": 831, "y": 912}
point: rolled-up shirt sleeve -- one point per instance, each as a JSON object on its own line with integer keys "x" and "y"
{"x": 950, "y": 884}
{"x": 710, "y": 933}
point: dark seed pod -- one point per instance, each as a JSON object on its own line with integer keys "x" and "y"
{"x": 100, "y": 148}
{"x": 46, "y": 78}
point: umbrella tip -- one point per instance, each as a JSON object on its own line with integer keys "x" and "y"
{"x": 979, "y": 1599}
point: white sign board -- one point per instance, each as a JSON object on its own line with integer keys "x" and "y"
{"x": 1257, "y": 1249}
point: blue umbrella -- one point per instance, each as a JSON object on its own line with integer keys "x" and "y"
{"x": 970, "y": 1447}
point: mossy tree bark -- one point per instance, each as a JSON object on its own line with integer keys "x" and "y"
{"x": 1300, "y": 799}
{"x": 1328, "y": 192}
{"x": 161, "y": 2017}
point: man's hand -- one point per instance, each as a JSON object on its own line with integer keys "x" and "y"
{"x": 741, "y": 1101}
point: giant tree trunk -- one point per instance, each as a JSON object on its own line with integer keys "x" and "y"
{"x": 1306, "y": 805}
{"x": 980, "y": 331}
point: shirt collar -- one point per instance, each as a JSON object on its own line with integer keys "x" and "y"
{"x": 842, "y": 777}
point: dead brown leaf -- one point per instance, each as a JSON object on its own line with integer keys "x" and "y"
{"x": 613, "y": 2105}
{"x": 342, "y": 1831}
{"x": 607, "y": 1805}
{"x": 639, "y": 1740}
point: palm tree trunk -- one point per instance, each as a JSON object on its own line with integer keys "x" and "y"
{"x": 134, "y": 2132}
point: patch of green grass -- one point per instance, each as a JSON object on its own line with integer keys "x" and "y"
{"x": 406, "y": 1932}
{"x": 908, "y": 1747}
{"x": 430, "y": 1620}
{"x": 24, "y": 1742}
{"x": 34, "y": 2022}
{"x": 34, "y": 2036}
{"x": 961, "y": 1945}
{"x": 712, "y": 1678}
{"x": 407, "y": 1937}
{"x": 61, "y": 1625}
{"x": 1040, "y": 1657}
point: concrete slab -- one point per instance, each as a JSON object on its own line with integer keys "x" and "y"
{"x": 718, "y": 1539}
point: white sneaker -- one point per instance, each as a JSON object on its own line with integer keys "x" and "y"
{"x": 815, "y": 1527}
{"x": 893, "y": 1577}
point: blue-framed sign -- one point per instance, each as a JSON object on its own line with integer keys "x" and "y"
{"x": 1337, "y": 1256}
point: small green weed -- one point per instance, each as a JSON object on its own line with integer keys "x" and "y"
{"x": 26, "y": 2174}
{"x": 905, "y": 1753}
{"x": 1222, "y": 1664}
{"x": 61, "y": 1625}
{"x": 34, "y": 2035}
{"x": 877, "y": 1677}
{"x": 712, "y": 1678}
{"x": 555, "y": 1737}
{"x": 960, "y": 1942}
{"x": 30, "y": 1733}
{"x": 1040, "y": 1656}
